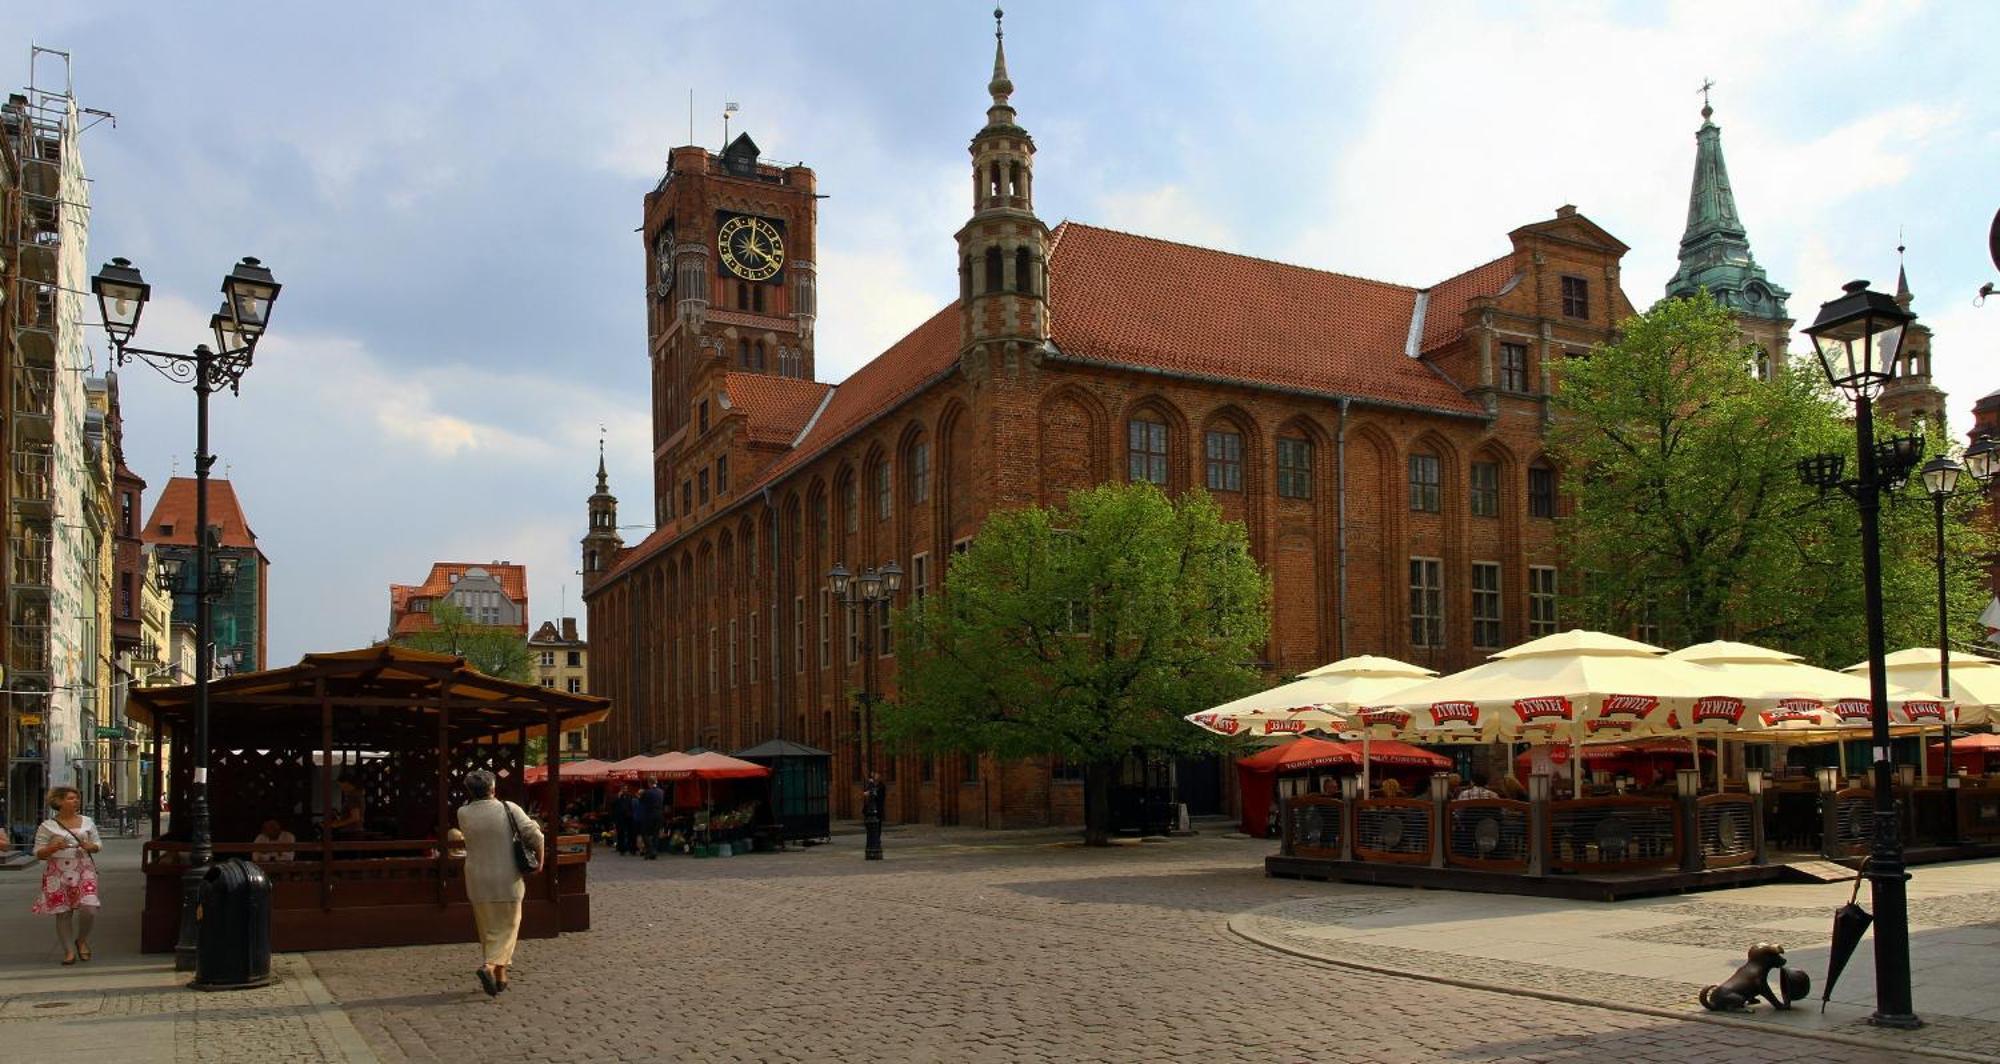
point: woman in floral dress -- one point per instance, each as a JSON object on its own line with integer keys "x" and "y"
{"x": 69, "y": 880}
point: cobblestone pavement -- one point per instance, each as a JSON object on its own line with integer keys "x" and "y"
{"x": 973, "y": 946}
{"x": 124, "y": 1007}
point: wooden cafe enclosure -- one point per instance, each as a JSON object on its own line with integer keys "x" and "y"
{"x": 404, "y": 727}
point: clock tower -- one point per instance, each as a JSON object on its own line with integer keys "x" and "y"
{"x": 729, "y": 246}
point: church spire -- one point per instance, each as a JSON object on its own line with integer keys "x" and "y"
{"x": 603, "y": 483}
{"x": 1903, "y": 296}
{"x": 1715, "y": 248}
{"x": 1001, "y": 87}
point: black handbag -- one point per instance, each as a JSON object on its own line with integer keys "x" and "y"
{"x": 526, "y": 858}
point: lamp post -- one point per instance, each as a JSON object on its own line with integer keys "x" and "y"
{"x": 1941, "y": 481}
{"x": 1857, "y": 338}
{"x": 248, "y": 292}
{"x": 873, "y": 589}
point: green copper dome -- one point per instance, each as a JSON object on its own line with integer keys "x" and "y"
{"x": 1715, "y": 250}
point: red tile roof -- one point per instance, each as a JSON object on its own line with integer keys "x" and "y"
{"x": 512, "y": 576}
{"x": 1115, "y": 297}
{"x": 775, "y": 408}
{"x": 172, "y": 523}
{"x": 1120, "y": 298}
{"x": 1444, "y": 317}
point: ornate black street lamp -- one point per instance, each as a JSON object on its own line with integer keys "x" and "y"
{"x": 248, "y": 292}
{"x": 1941, "y": 480}
{"x": 872, "y": 590}
{"x": 1857, "y": 338}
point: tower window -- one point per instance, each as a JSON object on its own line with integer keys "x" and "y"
{"x": 1024, "y": 271}
{"x": 701, "y": 486}
{"x": 1146, "y": 451}
{"x": 1760, "y": 364}
{"x": 920, "y": 472}
{"x": 721, "y": 473}
{"x": 757, "y": 356}
{"x": 1294, "y": 468}
{"x": 742, "y": 356}
{"x": 1014, "y": 179}
{"x": 742, "y": 296}
{"x": 1513, "y": 367}
{"x": 757, "y": 299}
{"x": 1541, "y": 491}
{"x": 993, "y": 183}
{"x": 993, "y": 271}
{"x": 1225, "y": 461}
{"x": 965, "y": 278}
{"x": 701, "y": 416}
{"x": 687, "y": 496}
{"x": 1576, "y": 297}
{"x": 1426, "y": 477}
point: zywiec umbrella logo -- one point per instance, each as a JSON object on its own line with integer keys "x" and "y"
{"x": 1619, "y": 725}
{"x": 1718, "y": 708}
{"x": 1854, "y": 709}
{"x": 1394, "y": 718}
{"x": 1637, "y": 707}
{"x": 1543, "y": 710}
{"x": 1443, "y": 713}
{"x": 1284, "y": 727}
{"x": 1794, "y": 711}
{"x": 1218, "y": 723}
{"x": 1921, "y": 711}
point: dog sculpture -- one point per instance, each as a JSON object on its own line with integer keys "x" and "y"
{"x": 1752, "y": 981}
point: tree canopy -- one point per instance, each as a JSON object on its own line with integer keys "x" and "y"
{"x": 1687, "y": 511}
{"x": 497, "y": 652}
{"x": 1084, "y": 632}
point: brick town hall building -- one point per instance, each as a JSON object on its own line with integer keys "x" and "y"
{"x": 1382, "y": 443}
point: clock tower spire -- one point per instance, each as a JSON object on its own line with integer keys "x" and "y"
{"x": 1003, "y": 250}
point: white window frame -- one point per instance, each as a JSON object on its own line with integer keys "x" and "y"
{"x": 1494, "y": 596}
{"x": 1543, "y": 580}
{"x": 1431, "y": 635}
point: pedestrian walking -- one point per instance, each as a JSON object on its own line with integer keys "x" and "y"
{"x": 652, "y": 817}
{"x": 66, "y": 841}
{"x": 492, "y": 873}
{"x": 625, "y": 818}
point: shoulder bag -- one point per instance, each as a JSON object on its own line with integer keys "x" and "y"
{"x": 526, "y": 858}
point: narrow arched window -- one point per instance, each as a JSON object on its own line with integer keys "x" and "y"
{"x": 965, "y": 278}
{"x": 742, "y": 354}
{"x": 993, "y": 270}
{"x": 993, "y": 182}
{"x": 1024, "y": 270}
{"x": 1014, "y": 179}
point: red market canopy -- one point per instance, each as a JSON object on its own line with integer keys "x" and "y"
{"x": 679, "y": 766}
{"x": 1392, "y": 752}
{"x": 587, "y": 771}
{"x": 1987, "y": 743}
{"x": 1302, "y": 753}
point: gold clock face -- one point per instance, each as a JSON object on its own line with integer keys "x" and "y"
{"x": 751, "y": 248}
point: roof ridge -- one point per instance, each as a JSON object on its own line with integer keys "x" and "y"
{"x": 1239, "y": 255}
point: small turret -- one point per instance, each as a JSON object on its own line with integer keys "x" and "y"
{"x": 1003, "y": 250}
{"x": 601, "y": 543}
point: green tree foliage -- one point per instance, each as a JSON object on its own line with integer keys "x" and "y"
{"x": 1688, "y": 512}
{"x": 497, "y": 652}
{"x": 1084, "y": 632}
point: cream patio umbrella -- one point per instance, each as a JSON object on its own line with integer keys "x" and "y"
{"x": 1975, "y": 682}
{"x": 1575, "y": 686}
{"x": 1810, "y": 704}
{"x": 1323, "y": 699}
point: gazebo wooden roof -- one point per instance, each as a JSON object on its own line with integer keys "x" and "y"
{"x": 373, "y": 681}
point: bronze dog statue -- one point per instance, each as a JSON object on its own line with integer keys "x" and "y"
{"x": 1752, "y": 981}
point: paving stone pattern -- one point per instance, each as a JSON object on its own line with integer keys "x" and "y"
{"x": 957, "y": 952}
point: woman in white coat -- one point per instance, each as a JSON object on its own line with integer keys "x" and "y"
{"x": 492, "y": 879}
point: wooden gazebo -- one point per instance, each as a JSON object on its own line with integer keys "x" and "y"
{"x": 404, "y": 725}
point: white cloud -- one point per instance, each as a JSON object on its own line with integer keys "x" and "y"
{"x": 1168, "y": 211}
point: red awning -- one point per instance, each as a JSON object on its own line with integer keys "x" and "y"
{"x": 1302, "y": 753}
{"x": 1392, "y": 752}
{"x": 679, "y": 766}
{"x": 588, "y": 771}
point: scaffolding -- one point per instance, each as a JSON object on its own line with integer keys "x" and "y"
{"x": 44, "y": 223}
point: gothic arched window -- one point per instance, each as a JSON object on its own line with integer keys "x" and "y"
{"x": 1024, "y": 270}
{"x": 965, "y": 278}
{"x": 993, "y": 270}
{"x": 1014, "y": 179}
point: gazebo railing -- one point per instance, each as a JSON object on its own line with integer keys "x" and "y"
{"x": 1490, "y": 834}
{"x": 1613, "y": 834}
{"x": 1311, "y": 826}
{"x": 1727, "y": 827}
{"x": 1850, "y": 822}
{"x": 1393, "y": 829}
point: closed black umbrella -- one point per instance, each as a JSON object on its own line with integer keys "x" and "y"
{"x": 1850, "y": 922}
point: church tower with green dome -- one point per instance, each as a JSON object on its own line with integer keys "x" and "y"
{"x": 1715, "y": 253}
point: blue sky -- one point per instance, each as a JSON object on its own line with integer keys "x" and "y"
{"x": 448, "y": 192}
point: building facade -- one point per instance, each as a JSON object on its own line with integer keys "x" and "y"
{"x": 1382, "y": 443}
{"x": 53, "y": 562}
{"x": 494, "y": 595}
{"x": 560, "y": 659}
{"x": 239, "y": 621}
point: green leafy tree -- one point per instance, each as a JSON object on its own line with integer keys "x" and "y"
{"x": 1688, "y": 512}
{"x": 497, "y": 652}
{"x": 1084, "y": 632}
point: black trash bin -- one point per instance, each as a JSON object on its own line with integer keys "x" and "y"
{"x": 233, "y": 928}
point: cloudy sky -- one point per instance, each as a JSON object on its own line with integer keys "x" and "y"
{"x": 448, "y": 192}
